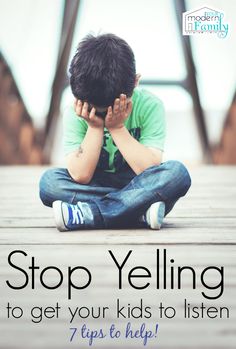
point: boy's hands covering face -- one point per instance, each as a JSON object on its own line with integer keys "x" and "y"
{"x": 81, "y": 110}
{"x": 116, "y": 117}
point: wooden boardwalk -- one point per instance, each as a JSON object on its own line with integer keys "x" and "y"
{"x": 199, "y": 232}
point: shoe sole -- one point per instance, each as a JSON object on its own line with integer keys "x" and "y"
{"x": 157, "y": 215}
{"x": 58, "y": 216}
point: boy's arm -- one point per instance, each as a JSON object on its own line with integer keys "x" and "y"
{"x": 138, "y": 156}
{"x": 82, "y": 163}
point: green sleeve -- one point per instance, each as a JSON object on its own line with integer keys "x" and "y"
{"x": 74, "y": 130}
{"x": 153, "y": 130}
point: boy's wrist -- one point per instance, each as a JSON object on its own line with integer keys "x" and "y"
{"x": 118, "y": 129}
{"x": 96, "y": 132}
{"x": 98, "y": 129}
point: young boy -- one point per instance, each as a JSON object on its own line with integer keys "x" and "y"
{"x": 113, "y": 138}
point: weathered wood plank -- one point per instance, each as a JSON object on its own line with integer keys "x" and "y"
{"x": 171, "y": 235}
{"x": 180, "y": 222}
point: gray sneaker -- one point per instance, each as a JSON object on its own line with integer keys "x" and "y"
{"x": 155, "y": 214}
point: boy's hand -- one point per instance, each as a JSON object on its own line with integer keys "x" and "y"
{"x": 92, "y": 120}
{"x": 121, "y": 110}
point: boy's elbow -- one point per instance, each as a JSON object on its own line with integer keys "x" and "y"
{"x": 82, "y": 180}
{"x": 79, "y": 178}
{"x": 157, "y": 156}
{"x": 157, "y": 162}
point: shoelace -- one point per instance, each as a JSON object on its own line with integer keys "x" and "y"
{"x": 77, "y": 215}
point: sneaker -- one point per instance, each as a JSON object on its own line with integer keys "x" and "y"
{"x": 68, "y": 216}
{"x": 155, "y": 214}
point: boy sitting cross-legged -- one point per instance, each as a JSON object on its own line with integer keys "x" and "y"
{"x": 113, "y": 138}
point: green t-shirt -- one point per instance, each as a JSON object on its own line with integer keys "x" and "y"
{"x": 146, "y": 124}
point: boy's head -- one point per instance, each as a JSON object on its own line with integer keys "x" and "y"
{"x": 102, "y": 68}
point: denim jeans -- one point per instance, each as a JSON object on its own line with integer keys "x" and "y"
{"x": 118, "y": 200}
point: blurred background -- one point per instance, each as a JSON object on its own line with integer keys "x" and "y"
{"x": 194, "y": 76}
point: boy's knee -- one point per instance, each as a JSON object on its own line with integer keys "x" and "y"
{"x": 180, "y": 175}
{"x": 48, "y": 186}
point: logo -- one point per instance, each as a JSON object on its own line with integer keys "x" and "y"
{"x": 204, "y": 20}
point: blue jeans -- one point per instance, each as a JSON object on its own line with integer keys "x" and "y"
{"x": 118, "y": 200}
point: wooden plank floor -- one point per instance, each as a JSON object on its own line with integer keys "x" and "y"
{"x": 199, "y": 232}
